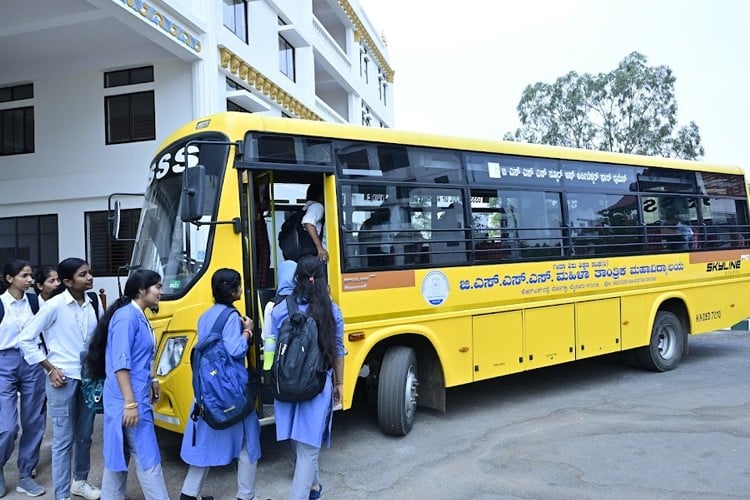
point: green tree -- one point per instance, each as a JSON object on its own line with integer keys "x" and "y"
{"x": 631, "y": 109}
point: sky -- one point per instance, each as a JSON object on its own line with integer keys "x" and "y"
{"x": 461, "y": 67}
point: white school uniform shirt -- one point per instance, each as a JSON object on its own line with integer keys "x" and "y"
{"x": 67, "y": 326}
{"x": 314, "y": 212}
{"x": 17, "y": 314}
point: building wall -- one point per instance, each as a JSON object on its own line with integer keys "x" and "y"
{"x": 73, "y": 171}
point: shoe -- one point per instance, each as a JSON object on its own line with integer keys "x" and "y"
{"x": 82, "y": 488}
{"x": 199, "y": 497}
{"x": 315, "y": 494}
{"x": 29, "y": 486}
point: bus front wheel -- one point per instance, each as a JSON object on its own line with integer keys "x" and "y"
{"x": 397, "y": 391}
{"x": 666, "y": 346}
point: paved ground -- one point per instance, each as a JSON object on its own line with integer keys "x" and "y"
{"x": 588, "y": 430}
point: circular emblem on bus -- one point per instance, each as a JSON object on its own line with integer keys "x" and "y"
{"x": 435, "y": 288}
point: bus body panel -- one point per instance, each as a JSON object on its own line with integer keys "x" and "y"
{"x": 498, "y": 344}
{"x": 549, "y": 335}
{"x": 597, "y": 328}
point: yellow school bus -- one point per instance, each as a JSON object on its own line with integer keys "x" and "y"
{"x": 453, "y": 260}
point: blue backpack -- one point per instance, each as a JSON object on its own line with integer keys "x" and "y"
{"x": 224, "y": 392}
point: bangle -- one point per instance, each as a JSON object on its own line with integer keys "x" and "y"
{"x": 131, "y": 406}
{"x": 154, "y": 380}
{"x": 339, "y": 383}
{"x": 48, "y": 372}
{"x": 248, "y": 331}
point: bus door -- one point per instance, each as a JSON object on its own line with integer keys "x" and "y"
{"x": 272, "y": 196}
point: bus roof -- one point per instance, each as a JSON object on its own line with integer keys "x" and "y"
{"x": 236, "y": 124}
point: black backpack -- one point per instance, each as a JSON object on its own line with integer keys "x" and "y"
{"x": 294, "y": 240}
{"x": 299, "y": 370}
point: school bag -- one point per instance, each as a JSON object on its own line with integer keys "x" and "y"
{"x": 33, "y": 303}
{"x": 92, "y": 388}
{"x": 294, "y": 240}
{"x": 224, "y": 392}
{"x": 299, "y": 370}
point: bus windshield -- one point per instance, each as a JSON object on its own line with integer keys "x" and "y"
{"x": 174, "y": 249}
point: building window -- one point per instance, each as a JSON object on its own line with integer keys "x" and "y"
{"x": 235, "y": 17}
{"x": 286, "y": 58}
{"x": 382, "y": 88}
{"x": 105, "y": 255}
{"x": 232, "y": 85}
{"x": 130, "y": 117}
{"x": 132, "y": 76}
{"x": 366, "y": 116}
{"x": 32, "y": 238}
{"x": 17, "y": 131}
{"x": 17, "y": 93}
{"x": 236, "y": 107}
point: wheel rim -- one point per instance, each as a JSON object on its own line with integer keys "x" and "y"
{"x": 410, "y": 394}
{"x": 666, "y": 342}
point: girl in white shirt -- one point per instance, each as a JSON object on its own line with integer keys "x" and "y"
{"x": 68, "y": 320}
{"x": 19, "y": 377}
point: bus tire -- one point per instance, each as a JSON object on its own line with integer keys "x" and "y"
{"x": 397, "y": 391}
{"x": 664, "y": 350}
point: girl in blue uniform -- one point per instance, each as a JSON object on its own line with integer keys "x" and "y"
{"x": 203, "y": 446}
{"x": 308, "y": 423}
{"x": 123, "y": 348}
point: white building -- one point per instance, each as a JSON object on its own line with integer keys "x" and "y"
{"x": 89, "y": 88}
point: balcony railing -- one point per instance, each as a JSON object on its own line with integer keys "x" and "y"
{"x": 326, "y": 112}
{"x": 327, "y": 46}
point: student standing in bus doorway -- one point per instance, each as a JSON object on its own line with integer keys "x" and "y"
{"x": 123, "y": 348}
{"x": 204, "y": 447}
{"x": 17, "y": 377}
{"x": 287, "y": 270}
{"x": 313, "y": 218}
{"x": 68, "y": 320}
{"x": 308, "y": 423}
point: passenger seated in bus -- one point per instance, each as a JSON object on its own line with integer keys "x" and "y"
{"x": 446, "y": 243}
{"x": 679, "y": 234}
{"x": 377, "y": 251}
{"x": 410, "y": 247}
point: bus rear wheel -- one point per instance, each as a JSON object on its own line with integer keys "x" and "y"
{"x": 666, "y": 346}
{"x": 397, "y": 391}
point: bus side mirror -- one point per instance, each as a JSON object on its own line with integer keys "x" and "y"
{"x": 114, "y": 221}
{"x": 193, "y": 189}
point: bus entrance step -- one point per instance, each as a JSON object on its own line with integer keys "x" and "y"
{"x": 268, "y": 417}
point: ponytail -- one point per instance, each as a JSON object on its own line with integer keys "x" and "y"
{"x": 142, "y": 279}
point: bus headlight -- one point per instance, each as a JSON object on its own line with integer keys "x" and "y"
{"x": 171, "y": 355}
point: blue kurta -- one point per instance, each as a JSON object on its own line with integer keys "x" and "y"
{"x": 130, "y": 346}
{"x": 307, "y": 421}
{"x": 214, "y": 447}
